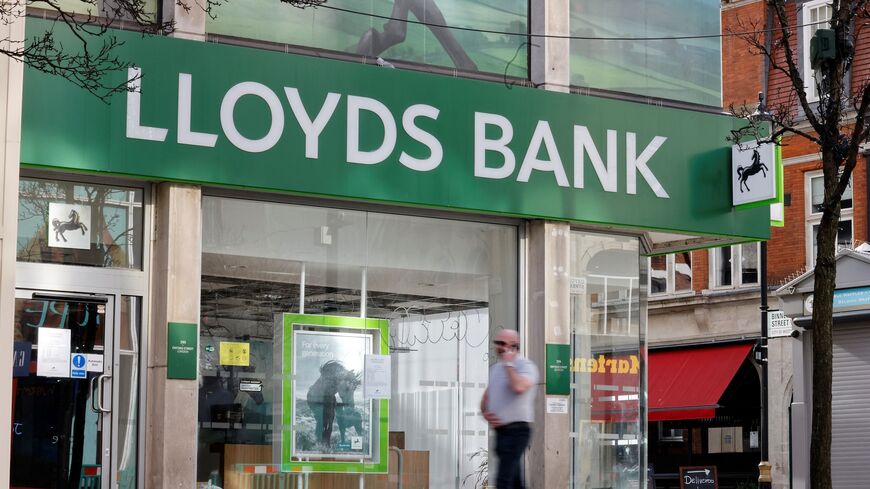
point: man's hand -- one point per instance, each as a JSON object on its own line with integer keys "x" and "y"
{"x": 493, "y": 420}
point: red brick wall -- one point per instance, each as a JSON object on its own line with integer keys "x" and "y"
{"x": 741, "y": 69}
{"x": 787, "y": 248}
{"x": 700, "y": 271}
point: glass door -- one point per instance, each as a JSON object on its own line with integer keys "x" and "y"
{"x": 62, "y": 390}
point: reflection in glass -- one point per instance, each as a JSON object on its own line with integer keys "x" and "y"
{"x": 443, "y": 285}
{"x": 658, "y": 274}
{"x": 126, "y": 379}
{"x": 688, "y": 70}
{"x": 358, "y": 32}
{"x": 79, "y": 224}
{"x": 722, "y": 260}
{"x": 56, "y": 438}
{"x": 682, "y": 271}
{"x": 844, "y": 237}
{"x": 607, "y": 363}
{"x": 749, "y": 263}
{"x": 817, "y": 185}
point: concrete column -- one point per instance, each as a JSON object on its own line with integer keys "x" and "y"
{"x": 550, "y": 58}
{"x": 780, "y": 377}
{"x": 548, "y": 317}
{"x": 11, "y": 89}
{"x": 171, "y": 412}
{"x": 189, "y": 24}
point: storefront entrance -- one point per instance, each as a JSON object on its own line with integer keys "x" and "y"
{"x": 77, "y": 333}
{"x": 75, "y": 389}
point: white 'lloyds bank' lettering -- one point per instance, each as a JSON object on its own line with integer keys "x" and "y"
{"x": 493, "y": 158}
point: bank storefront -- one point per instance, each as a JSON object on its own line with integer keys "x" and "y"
{"x": 267, "y": 270}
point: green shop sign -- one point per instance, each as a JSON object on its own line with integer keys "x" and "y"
{"x": 226, "y": 115}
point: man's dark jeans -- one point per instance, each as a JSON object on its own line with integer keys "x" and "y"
{"x": 511, "y": 441}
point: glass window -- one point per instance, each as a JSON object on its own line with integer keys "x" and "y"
{"x": 669, "y": 274}
{"x": 814, "y": 16}
{"x": 607, "y": 362}
{"x": 658, "y": 274}
{"x": 844, "y": 237}
{"x": 817, "y": 199}
{"x": 749, "y": 263}
{"x": 687, "y": 70}
{"x": 445, "y": 286}
{"x": 722, "y": 267}
{"x": 814, "y": 187}
{"x": 367, "y": 28}
{"x": 79, "y": 224}
{"x": 683, "y": 271}
{"x": 734, "y": 266}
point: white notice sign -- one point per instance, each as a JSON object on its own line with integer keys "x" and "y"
{"x": 53, "y": 350}
{"x": 778, "y": 325}
{"x": 376, "y": 378}
{"x": 557, "y": 405}
{"x": 95, "y": 362}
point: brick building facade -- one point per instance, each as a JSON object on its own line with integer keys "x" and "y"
{"x": 714, "y": 311}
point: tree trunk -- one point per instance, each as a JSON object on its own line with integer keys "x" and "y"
{"x": 823, "y": 321}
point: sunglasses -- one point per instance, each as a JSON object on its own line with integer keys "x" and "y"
{"x": 502, "y": 343}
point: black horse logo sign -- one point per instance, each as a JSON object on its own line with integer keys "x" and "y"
{"x": 72, "y": 224}
{"x": 743, "y": 173}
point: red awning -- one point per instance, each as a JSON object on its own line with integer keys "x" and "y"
{"x": 687, "y": 383}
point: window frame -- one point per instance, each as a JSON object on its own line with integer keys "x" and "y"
{"x": 807, "y": 31}
{"x": 736, "y": 270}
{"x": 815, "y": 218}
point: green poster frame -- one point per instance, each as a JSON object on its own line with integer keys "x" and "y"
{"x": 380, "y": 460}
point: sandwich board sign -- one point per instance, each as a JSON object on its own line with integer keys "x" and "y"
{"x": 699, "y": 477}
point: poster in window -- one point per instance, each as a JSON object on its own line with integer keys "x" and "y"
{"x": 331, "y": 417}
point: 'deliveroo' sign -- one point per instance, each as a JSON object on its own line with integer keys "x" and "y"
{"x": 214, "y": 114}
{"x": 699, "y": 478}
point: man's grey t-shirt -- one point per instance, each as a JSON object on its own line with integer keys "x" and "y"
{"x": 502, "y": 401}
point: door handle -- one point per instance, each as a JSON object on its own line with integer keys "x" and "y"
{"x": 97, "y": 397}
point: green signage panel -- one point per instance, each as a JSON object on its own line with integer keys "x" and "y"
{"x": 181, "y": 351}
{"x": 227, "y": 115}
{"x": 328, "y": 364}
{"x": 558, "y": 369}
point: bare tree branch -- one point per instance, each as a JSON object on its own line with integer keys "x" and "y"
{"x": 90, "y": 60}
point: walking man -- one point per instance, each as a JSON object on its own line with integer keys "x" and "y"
{"x": 508, "y": 407}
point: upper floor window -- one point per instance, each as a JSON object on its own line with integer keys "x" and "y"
{"x": 813, "y": 17}
{"x": 670, "y": 274}
{"x": 815, "y": 189}
{"x": 734, "y": 266}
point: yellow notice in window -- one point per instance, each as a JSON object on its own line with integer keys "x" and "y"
{"x": 235, "y": 353}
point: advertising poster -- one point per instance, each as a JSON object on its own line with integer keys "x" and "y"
{"x": 330, "y": 416}
{"x": 328, "y": 423}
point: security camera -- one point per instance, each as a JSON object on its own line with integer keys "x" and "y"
{"x": 795, "y": 334}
